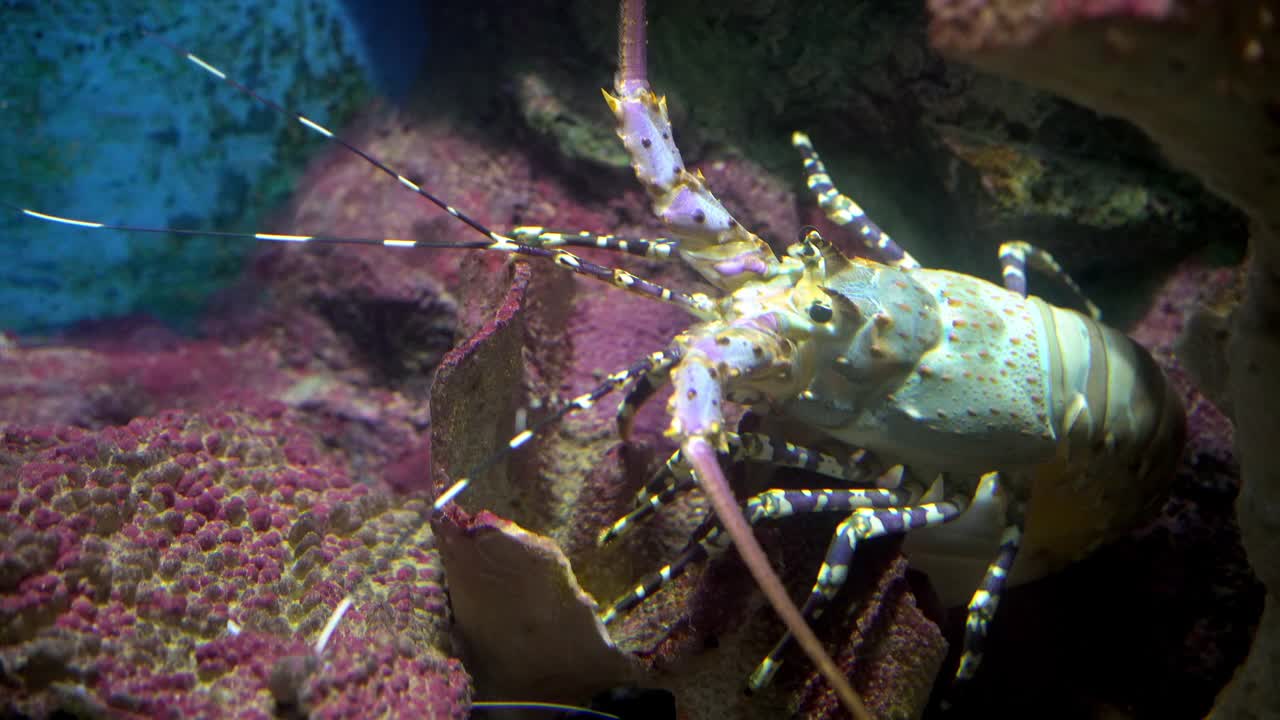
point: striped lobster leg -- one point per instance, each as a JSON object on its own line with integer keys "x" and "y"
{"x": 842, "y": 210}
{"x": 638, "y": 395}
{"x": 652, "y": 249}
{"x": 709, "y": 540}
{"x": 1017, "y": 254}
{"x": 865, "y": 523}
{"x": 674, "y": 478}
{"x": 982, "y": 607}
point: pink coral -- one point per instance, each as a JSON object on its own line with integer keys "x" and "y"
{"x": 131, "y": 556}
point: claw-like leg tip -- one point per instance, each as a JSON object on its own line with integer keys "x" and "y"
{"x": 762, "y": 675}
{"x": 614, "y": 105}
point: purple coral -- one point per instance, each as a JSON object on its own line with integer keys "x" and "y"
{"x": 169, "y": 567}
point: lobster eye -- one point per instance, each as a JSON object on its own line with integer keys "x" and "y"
{"x": 820, "y": 313}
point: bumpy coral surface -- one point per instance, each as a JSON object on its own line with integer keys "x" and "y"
{"x": 182, "y": 565}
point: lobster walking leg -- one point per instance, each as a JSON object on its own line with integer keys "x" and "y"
{"x": 639, "y": 394}
{"x": 705, "y": 541}
{"x": 982, "y": 608}
{"x": 1014, "y": 257}
{"x": 769, "y": 505}
{"x": 864, "y": 524}
{"x": 842, "y": 210}
{"x": 673, "y": 478}
{"x": 653, "y": 249}
{"x": 711, "y": 479}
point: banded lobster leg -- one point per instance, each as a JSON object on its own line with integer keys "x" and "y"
{"x": 637, "y": 396}
{"x": 1014, "y": 256}
{"x": 982, "y": 607}
{"x": 538, "y": 236}
{"x": 760, "y": 447}
{"x": 864, "y": 523}
{"x": 842, "y": 210}
{"x": 709, "y": 540}
{"x": 728, "y": 256}
{"x": 674, "y": 478}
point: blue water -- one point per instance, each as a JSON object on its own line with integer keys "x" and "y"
{"x": 99, "y": 122}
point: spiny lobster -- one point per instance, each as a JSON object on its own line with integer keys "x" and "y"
{"x": 957, "y": 399}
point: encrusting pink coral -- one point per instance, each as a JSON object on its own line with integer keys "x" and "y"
{"x": 171, "y": 567}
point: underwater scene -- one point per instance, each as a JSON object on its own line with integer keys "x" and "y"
{"x": 869, "y": 359}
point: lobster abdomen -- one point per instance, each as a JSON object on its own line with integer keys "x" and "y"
{"x": 1121, "y": 428}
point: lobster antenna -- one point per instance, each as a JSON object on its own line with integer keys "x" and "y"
{"x": 574, "y": 709}
{"x": 696, "y": 304}
{"x": 316, "y": 127}
{"x": 584, "y": 401}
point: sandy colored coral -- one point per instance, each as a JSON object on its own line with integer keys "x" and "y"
{"x": 515, "y": 598}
